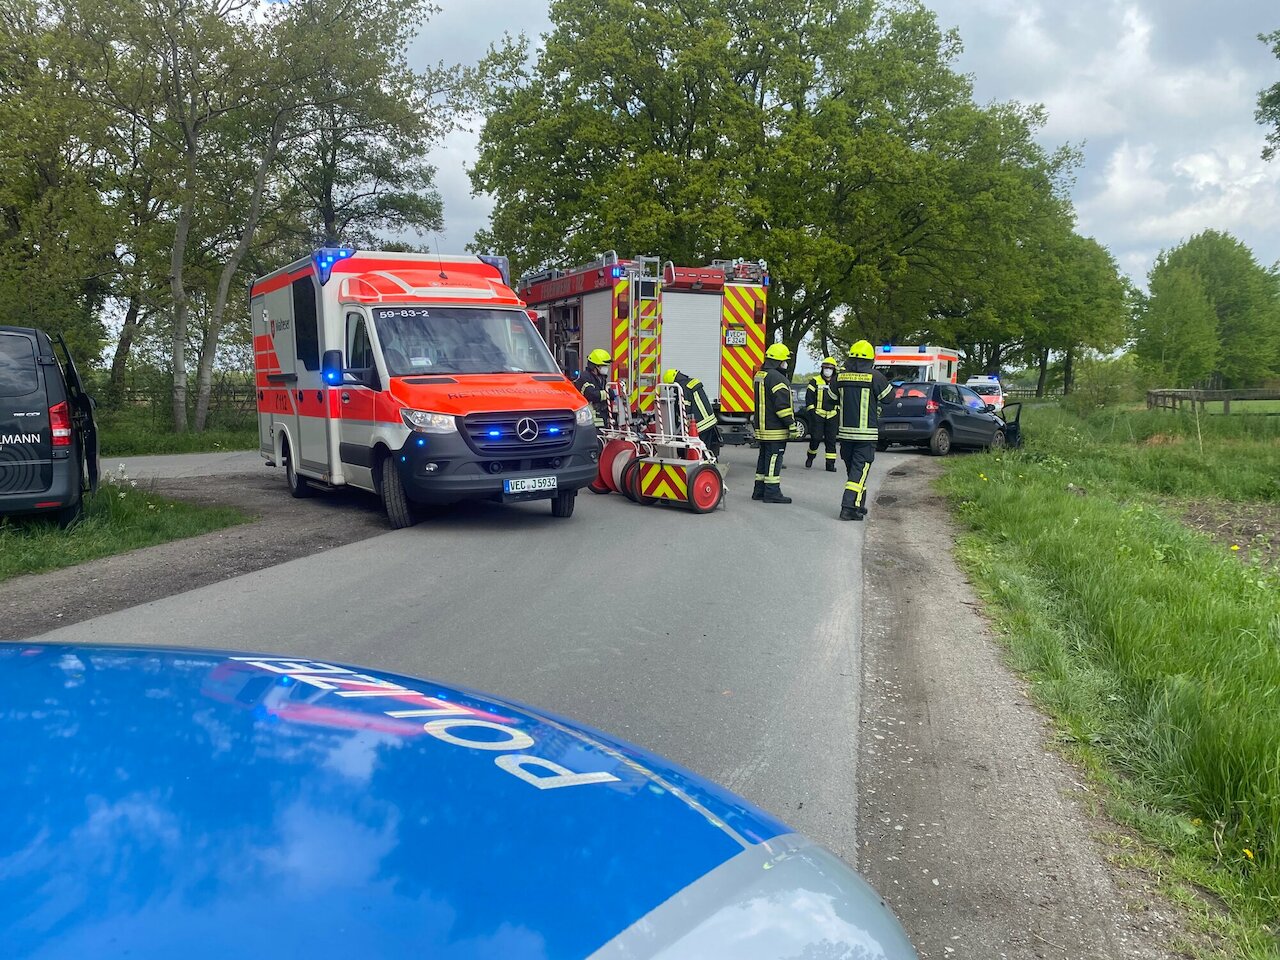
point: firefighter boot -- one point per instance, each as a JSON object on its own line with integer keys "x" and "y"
{"x": 831, "y": 466}
{"x": 850, "y": 513}
{"x": 773, "y": 494}
{"x": 808, "y": 460}
{"x": 758, "y": 492}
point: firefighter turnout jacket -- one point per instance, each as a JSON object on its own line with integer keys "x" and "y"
{"x": 773, "y": 415}
{"x": 820, "y": 399}
{"x": 696, "y": 402}
{"x": 596, "y": 390}
{"x": 862, "y": 389}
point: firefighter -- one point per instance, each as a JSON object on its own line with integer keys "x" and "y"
{"x": 594, "y": 385}
{"x": 822, "y": 409}
{"x": 773, "y": 421}
{"x": 862, "y": 389}
{"x": 697, "y": 408}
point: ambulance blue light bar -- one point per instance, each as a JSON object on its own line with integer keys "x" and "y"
{"x": 501, "y": 264}
{"x": 326, "y": 257}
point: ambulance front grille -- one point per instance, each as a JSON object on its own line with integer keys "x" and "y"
{"x": 498, "y": 434}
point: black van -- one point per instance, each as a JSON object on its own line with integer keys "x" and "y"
{"x": 48, "y": 438}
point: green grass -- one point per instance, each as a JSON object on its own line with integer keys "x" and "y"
{"x": 1157, "y": 649}
{"x": 119, "y": 517}
{"x": 139, "y": 431}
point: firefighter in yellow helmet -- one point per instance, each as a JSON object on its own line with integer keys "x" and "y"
{"x": 697, "y": 408}
{"x": 821, "y": 407}
{"x": 862, "y": 389}
{"x": 772, "y": 420}
{"x": 594, "y": 385}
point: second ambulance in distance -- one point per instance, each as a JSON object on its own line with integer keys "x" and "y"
{"x": 419, "y": 378}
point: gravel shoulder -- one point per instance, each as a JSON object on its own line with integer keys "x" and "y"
{"x": 284, "y": 529}
{"x": 981, "y": 838}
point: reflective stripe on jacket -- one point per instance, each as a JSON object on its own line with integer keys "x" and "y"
{"x": 862, "y": 389}
{"x": 820, "y": 398}
{"x": 773, "y": 415}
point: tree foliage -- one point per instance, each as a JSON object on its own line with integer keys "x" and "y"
{"x": 1269, "y": 102}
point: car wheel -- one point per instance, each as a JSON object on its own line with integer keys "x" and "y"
{"x": 394, "y": 500}
{"x": 298, "y": 485}
{"x": 803, "y": 433}
{"x": 562, "y": 504}
{"x": 940, "y": 442}
{"x": 882, "y": 446}
{"x": 998, "y": 441}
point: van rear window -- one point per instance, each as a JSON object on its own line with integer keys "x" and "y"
{"x": 18, "y": 374}
{"x": 912, "y": 391}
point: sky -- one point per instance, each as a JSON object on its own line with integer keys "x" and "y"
{"x": 1158, "y": 94}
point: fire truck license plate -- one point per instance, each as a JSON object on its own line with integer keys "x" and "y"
{"x": 735, "y": 338}
{"x": 528, "y": 484}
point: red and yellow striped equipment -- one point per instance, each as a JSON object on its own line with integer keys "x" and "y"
{"x": 742, "y": 324}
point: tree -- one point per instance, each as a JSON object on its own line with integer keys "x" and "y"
{"x": 1175, "y": 334}
{"x": 1269, "y": 102}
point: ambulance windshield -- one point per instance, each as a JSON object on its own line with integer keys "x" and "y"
{"x": 418, "y": 340}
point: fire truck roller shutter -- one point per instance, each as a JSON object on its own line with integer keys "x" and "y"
{"x": 597, "y": 322}
{"x": 691, "y": 337}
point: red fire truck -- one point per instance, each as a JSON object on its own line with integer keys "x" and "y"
{"x": 707, "y": 322}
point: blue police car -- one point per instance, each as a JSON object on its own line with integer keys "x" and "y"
{"x": 165, "y": 803}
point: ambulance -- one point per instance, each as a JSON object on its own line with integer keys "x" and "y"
{"x": 705, "y": 321}
{"x": 918, "y": 363}
{"x": 419, "y": 378}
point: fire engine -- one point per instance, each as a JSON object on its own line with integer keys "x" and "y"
{"x": 918, "y": 363}
{"x": 419, "y": 378}
{"x": 707, "y": 322}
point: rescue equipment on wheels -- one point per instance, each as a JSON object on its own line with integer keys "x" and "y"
{"x": 658, "y": 457}
{"x": 708, "y": 322}
{"x": 419, "y": 378}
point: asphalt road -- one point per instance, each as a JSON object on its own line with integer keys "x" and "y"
{"x": 727, "y": 642}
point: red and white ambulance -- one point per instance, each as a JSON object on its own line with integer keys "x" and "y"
{"x": 918, "y": 363}
{"x": 419, "y": 378}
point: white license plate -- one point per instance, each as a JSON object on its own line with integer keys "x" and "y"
{"x": 735, "y": 338}
{"x": 893, "y": 426}
{"x": 528, "y": 484}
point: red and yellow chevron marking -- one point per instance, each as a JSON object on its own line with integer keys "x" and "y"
{"x": 663, "y": 481}
{"x": 739, "y": 364}
{"x": 647, "y": 351}
{"x": 620, "y": 345}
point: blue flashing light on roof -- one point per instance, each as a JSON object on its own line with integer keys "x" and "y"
{"x": 501, "y": 264}
{"x": 616, "y": 272}
{"x": 923, "y": 349}
{"x": 765, "y": 280}
{"x": 887, "y": 347}
{"x": 326, "y": 257}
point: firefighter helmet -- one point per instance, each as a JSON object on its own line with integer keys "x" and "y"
{"x": 669, "y": 376}
{"x": 829, "y": 362}
{"x": 599, "y": 357}
{"x": 778, "y": 351}
{"x": 862, "y": 350}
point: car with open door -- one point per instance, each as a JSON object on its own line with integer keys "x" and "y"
{"x": 48, "y": 436}
{"x": 939, "y": 416}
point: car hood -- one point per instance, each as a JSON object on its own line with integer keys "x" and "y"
{"x": 461, "y": 394}
{"x": 177, "y": 802}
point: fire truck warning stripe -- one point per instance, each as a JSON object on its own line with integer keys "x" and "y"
{"x": 663, "y": 482}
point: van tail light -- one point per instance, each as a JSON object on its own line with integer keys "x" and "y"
{"x": 931, "y": 406}
{"x": 60, "y": 421}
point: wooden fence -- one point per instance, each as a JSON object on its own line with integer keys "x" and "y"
{"x": 1177, "y": 399}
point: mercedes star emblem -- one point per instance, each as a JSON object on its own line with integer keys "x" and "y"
{"x": 527, "y": 429}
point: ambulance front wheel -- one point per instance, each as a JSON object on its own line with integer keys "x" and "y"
{"x": 394, "y": 499}
{"x": 562, "y": 504}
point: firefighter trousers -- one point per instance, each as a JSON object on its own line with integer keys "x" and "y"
{"x": 769, "y": 463}
{"x": 822, "y": 431}
{"x": 857, "y": 456}
{"x": 712, "y": 440}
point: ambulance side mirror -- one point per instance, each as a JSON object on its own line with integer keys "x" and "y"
{"x": 331, "y": 367}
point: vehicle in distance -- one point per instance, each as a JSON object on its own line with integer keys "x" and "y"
{"x": 182, "y": 803}
{"x": 798, "y": 391}
{"x": 989, "y": 389}
{"x": 940, "y": 416}
{"x": 48, "y": 437}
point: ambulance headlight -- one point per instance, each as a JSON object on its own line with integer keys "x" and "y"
{"x": 584, "y": 417}
{"x": 424, "y": 421}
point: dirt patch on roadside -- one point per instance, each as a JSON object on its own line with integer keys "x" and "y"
{"x": 285, "y": 529}
{"x": 1253, "y": 528}
{"x": 983, "y": 840}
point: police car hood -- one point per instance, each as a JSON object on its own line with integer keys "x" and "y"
{"x": 163, "y": 803}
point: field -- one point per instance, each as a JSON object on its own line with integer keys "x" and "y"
{"x": 1112, "y": 555}
{"x": 136, "y": 431}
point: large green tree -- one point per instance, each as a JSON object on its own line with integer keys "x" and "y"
{"x": 1175, "y": 335}
{"x": 1269, "y": 102}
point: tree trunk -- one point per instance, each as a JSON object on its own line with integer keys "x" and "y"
{"x": 209, "y": 349}
{"x": 1044, "y": 372}
{"x": 120, "y": 361}
{"x": 178, "y": 290}
{"x": 1068, "y": 370}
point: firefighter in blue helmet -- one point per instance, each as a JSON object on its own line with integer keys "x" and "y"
{"x": 822, "y": 407}
{"x": 773, "y": 421}
{"x": 862, "y": 389}
{"x": 697, "y": 407}
{"x": 594, "y": 385}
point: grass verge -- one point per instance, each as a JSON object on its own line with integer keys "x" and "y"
{"x": 119, "y": 517}
{"x": 1155, "y": 648}
{"x": 127, "y": 432}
